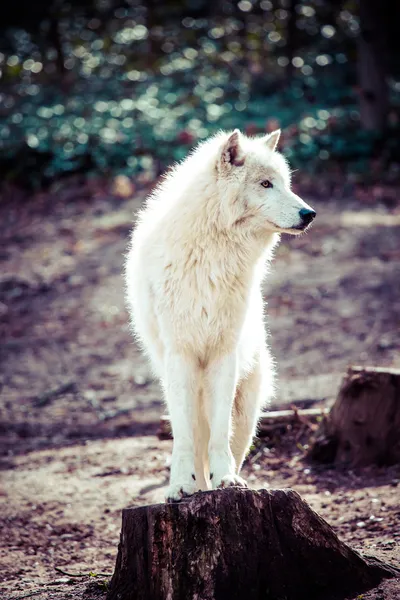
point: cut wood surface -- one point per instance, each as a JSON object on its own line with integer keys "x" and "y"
{"x": 269, "y": 421}
{"x": 237, "y": 544}
{"x": 363, "y": 426}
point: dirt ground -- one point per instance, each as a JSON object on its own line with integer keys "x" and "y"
{"x": 79, "y": 410}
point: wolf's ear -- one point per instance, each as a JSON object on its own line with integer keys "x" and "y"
{"x": 272, "y": 139}
{"x": 232, "y": 153}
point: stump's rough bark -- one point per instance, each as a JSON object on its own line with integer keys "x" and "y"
{"x": 236, "y": 544}
{"x": 364, "y": 423}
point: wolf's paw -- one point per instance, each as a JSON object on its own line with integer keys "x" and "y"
{"x": 230, "y": 481}
{"x": 178, "y": 491}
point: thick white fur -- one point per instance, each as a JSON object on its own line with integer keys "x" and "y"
{"x": 193, "y": 277}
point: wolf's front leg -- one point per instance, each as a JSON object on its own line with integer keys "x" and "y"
{"x": 222, "y": 379}
{"x": 252, "y": 393}
{"x": 181, "y": 384}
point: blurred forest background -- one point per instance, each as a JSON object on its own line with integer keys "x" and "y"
{"x": 97, "y": 99}
{"x": 128, "y": 86}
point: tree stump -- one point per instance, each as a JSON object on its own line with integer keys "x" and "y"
{"x": 237, "y": 544}
{"x": 363, "y": 425}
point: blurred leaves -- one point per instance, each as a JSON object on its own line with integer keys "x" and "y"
{"x": 143, "y": 83}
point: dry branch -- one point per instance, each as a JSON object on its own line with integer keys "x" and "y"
{"x": 90, "y": 574}
{"x": 269, "y": 421}
{"x": 46, "y": 397}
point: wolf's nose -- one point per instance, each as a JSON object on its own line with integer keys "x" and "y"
{"x": 307, "y": 215}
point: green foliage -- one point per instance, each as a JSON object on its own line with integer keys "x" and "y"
{"x": 141, "y": 89}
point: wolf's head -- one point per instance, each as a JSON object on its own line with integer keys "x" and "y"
{"x": 254, "y": 186}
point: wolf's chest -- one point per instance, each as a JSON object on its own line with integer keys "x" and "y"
{"x": 204, "y": 308}
{"x": 206, "y": 294}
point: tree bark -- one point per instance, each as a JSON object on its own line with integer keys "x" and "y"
{"x": 56, "y": 41}
{"x": 291, "y": 39}
{"x": 364, "y": 423}
{"x": 237, "y": 544}
{"x": 373, "y": 64}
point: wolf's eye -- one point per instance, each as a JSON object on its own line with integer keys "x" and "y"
{"x": 266, "y": 184}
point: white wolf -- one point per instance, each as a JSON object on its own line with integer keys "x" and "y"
{"x": 193, "y": 277}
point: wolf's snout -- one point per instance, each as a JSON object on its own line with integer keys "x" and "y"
{"x": 307, "y": 215}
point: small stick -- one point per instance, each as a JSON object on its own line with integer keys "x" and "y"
{"x": 70, "y": 574}
{"x": 269, "y": 421}
{"x": 90, "y": 574}
{"x": 45, "y": 398}
{"x": 27, "y": 595}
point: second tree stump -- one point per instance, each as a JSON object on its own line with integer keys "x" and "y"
{"x": 363, "y": 426}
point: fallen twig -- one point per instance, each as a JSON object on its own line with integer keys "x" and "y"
{"x": 70, "y": 574}
{"x": 35, "y": 593}
{"x": 269, "y": 421}
{"x": 112, "y": 414}
{"x": 110, "y": 473}
{"x": 46, "y": 397}
{"x": 254, "y": 458}
{"x": 90, "y": 574}
{"x": 306, "y": 418}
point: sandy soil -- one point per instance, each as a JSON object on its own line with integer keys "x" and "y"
{"x": 79, "y": 410}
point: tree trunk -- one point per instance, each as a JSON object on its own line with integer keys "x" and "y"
{"x": 372, "y": 64}
{"x": 364, "y": 423}
{"x": 291, "y": 39}
{"x": 237, "y": 544}
{"x": 55, "y": 39}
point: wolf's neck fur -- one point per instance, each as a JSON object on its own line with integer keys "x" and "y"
{"x": 241, "y": 252}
